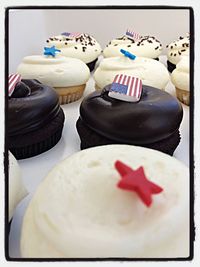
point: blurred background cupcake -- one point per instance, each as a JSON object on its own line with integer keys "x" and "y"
{"x": 143, "y": 46}
{"x": 180, "y": 78}
{"x": 176, "y": 50}
{"x": 77, "y": 45}
{"x": 150, "y": 71}
{"x": 68, "y": 76}
{"x": 16, "y": 188}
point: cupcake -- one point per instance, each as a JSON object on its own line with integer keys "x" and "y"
{"x": 176, "y": 50}
{"x": 35, "y": 118}
{"x": 112, "y": 201}
{"x": 143, "y": 116}
{"x": 180, "y": 78}
{"x": 77, "y": 45}
{"x": 16, "y": 188}
{"x": 68, "y": 76}
{"x": 142, "y": 46}
{"x": 150, "y": 71}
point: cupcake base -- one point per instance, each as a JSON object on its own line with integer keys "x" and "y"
{"x": 91, "y": 64}
{"x": 39, "y": 141}
{"x": 183, "y": 96}
{"x": 170, "y": 66}
{"x": 70, "y": 94}
{"x": 89, "y": 138}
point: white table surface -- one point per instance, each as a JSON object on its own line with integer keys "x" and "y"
{"x": 36, "y": 168}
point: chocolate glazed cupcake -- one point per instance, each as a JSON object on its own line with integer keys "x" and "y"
{"x": 153, "y": 122}
{"x": 35, "y": 119}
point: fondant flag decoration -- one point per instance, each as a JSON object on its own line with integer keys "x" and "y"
{"x": 13, "y": 79}
{"x": 132, "y": 35}
{"x": 72, "y": 34}
{"x": 136, "y": 181}
{"x": 126, "y": 88}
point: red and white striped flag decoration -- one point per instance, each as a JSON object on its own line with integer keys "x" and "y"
{"x": 13, "y": 79}
{"x": 126, "y": 88}
{"x": 132, "y": 35}
{"x": 71, "y": 34}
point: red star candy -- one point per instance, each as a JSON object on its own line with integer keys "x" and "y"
{"x": 136, "y": 181}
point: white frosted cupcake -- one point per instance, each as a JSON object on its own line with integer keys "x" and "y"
{"x": 176, "y": 50}
{"x": 17, "y": 191}
{"x": 180, "y": 78}
{"x": 85, "y": 208}
{"x": 67, "y": 75}
{"x": 145, "y": 46}
{"x": 77, "y": 45}
{"x": 150, "y": 71}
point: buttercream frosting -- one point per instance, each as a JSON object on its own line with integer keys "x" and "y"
{"x": 180, "y": 76}
{"x": 55, "y": 71}
{"x": 17, "y": 190}
{"x": 83, "y": 47}
{"x": 150, "y": 71}
{"x": 177, "y": 49}
{"x": 146, "y": 46}
{"x": 78, "y": 210}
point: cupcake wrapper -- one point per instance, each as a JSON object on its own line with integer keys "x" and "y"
{"x": 90, "y": 138}
{"x": 66, "y": 99}
{"x": 38, "y": 148}
{"x": 183, "y": 96}
{"x": 69, "y": 94}
{"x": 45, "y": 138}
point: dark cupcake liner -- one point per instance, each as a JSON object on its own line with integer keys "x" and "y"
{"x": 91, "y": 64}
{"x": 170, "y": 66}
{"x": 89, "y": 138}
{"x": 39, "y": 141}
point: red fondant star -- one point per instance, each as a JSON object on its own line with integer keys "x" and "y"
{"x": 136, "y": 181}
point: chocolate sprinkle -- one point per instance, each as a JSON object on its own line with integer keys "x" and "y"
{"x": 75, "y": 47}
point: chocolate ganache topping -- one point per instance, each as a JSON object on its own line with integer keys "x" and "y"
{"x": 155, "y": 117}
{"x": 31, "y": 106}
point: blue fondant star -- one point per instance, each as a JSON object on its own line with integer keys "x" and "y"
{"x": 51, "y": 51}
{"x": 127, "y": 54}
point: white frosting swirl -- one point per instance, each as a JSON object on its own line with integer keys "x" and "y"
{"x": 55, "y": 71}
{"x": 84, "y": 47}
{"x": 17, "y": 191}
{"x": 181, "y": 75}
{"x": 178, "y": 49}
{"x": 150, "y": 71}
{"x": 146, "y": 46}
{"x": 78, "y": 210}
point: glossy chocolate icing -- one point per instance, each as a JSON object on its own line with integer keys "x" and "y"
{"x": 31, "y": 107}
{"x": 155, "y": 117}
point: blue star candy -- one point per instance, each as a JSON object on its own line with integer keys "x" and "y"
{"x": 127, "y": 54}
{"x": 51, "y": 51}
